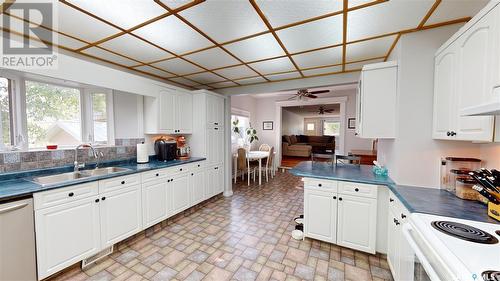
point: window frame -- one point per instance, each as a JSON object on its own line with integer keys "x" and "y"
{"x": 331, "y": 121}
{"x": 19, "y": 122}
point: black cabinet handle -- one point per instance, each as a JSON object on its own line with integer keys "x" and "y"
{"x": 391, "y": 200}
{"x": 71, "y": 194}
{"x": 448, "y": 134}
{"x": 180, "y": 169}
{"x": 198, "y": 165}
{"x": 453, "y": 133}
{"x": 216, "y": 123}
{"x": 123, "y": 182}
{"x": 356, "y": 189}
{"x": 320, "y": 185}
{"x": 97, "y": 200}
{"x": 340, "y": 198}
{"x": 168, "y": 180}
{"x": 104, "y": 198}
{"x": 216, "y": 128}
{"x": 334, "y": 197}
{"x": 157, "y": 174}
{"x": 403, "y": 216}
{"x": 192, "y": 174}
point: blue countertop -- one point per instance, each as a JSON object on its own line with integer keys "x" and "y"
{"x": 17, "y": 185}
{"x": 432, "y": 201}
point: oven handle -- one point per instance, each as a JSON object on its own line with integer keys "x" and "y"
{"x": 433, "y": 275}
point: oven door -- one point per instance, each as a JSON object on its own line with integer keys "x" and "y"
{"x": 428, "y": 266}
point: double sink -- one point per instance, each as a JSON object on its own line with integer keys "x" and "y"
{"x": 76, "y": 175}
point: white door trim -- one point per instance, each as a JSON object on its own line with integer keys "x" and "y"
{"x": 342, "y": 116}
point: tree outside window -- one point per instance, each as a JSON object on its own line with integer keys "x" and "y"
{"x": 331, "y": 128}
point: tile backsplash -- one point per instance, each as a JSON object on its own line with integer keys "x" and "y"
{"x": 13, "y": 161}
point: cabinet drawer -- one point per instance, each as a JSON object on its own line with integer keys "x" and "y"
{"x": 64, "y": 195}
{"x": 358, "y": 189}
{"x": 197, "y": 165}
{"x": 119, "y": 182}
{"x": 156, "y": 174}
{"x": 319, "y": 183}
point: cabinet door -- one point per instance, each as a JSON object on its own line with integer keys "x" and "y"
{"x": 184, "y": 113}
{"x": 180, "y": 193}
{"x": 167, "y": 112}
{"x": 121, "y": 214}
{"x": 197, "y": 187}
{"x": 211, "y": 182}
{"x": 154, "y": 202}
{"x": 444, "y": 89}
{"x": 358, "y": 109}
{"x": 393, "y": 237}
{"x": 66, "y": 234}
{"x": 320, "y": 215}
{"x": 215, "y": 145}
{"x": 219, "y": 183}
{"x": 219, "y": 116}
{"x": 357, "y": 223}
{"x": 475, "y": 49}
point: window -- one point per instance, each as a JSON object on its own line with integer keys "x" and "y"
{"x": 331, "y": 128}
{"x": 99, "y": 118}
{"x": 6, "y": 134}
{"x": 242, "y": 123}
{"x": 53, "y": 115}
{"x": 310, "y": 126}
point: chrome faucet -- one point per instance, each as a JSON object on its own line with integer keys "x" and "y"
{"x": 79, "y": 166}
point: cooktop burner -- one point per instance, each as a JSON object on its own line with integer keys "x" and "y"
{"x": 491, "y": 275}
{"x": 464, "y": 232}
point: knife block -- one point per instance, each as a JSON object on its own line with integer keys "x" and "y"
{"x": 494, "y": 211}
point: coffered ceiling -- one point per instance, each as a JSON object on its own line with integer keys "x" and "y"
{"x": 214, "y": 44}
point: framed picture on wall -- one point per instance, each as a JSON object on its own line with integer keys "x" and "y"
{"x": 267, "y": 125}
{"x": 351, "y": 123}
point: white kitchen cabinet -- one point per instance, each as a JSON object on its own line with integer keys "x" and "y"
{"x": 376, "y": 101}
{"x": 66, "y": 234}
{"x": 180, "y": 192}
{"x": 320, "y": 215}
{"x": 169, "y": 113}
{"x": 121, "y": 214}
{"x": 215, "y": 111}
{"x": 215, "y": 181}
{"x": 219, "y": 182}
{"x": 215, "y": 146}
{"x": 154, "y": 202}
{"x": 463, "y": 74}
{"x": 197, "y": 186}
{"x": 357, "y": 222}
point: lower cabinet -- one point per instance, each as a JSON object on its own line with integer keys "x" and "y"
{"x": 357, "y": 223}
{"x": 400, "y": 256}
{"x": 121, "y": 214}
{"x": 332, "y": 214}
{"x": 180, "y": 192}
{"x": 154, "y": 202}
{"x": 320, "y": 215}
{"x": 215, "y": 181}
{"x": 66, "y": 234}
{"x": 196, "y": 186}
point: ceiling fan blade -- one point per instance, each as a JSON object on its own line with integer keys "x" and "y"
{"x": 311, "y": 96}
{"x": 291, "y": 98}
{"x": 319, "y": 92}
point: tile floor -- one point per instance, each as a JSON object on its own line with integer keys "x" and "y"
{"x": 243, "y": 237}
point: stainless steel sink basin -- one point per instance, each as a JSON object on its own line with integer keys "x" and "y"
{"x": 61, "y": 178}
{"x": 103, "y": 171}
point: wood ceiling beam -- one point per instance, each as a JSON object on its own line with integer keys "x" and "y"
{"x": 429, "y": 14}
{"x": 344, "y": 32}
{"x": 199, "y": 31}
{"x": 273, "y": 32}
{"x": 6, "y": 5}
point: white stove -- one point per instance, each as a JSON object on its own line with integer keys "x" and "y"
{"x": 456, "y": 255}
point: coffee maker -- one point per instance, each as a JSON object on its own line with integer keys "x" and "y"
{"x": 165, "y": 149}
{"x": 183, "y": 149}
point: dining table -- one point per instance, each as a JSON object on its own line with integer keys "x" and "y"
{"x": 255, "y": 155}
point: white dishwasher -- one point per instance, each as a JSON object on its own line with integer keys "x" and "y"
{"x": 17, "y": 241}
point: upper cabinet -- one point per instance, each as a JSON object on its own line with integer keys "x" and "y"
{"x": 169, "y": 113}
{"x": 215, "y": 111}
{"x": 376, "y": 101}
{"x": 463, "y": 80}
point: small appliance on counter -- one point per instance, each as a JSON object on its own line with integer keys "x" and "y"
{"x": 142, "y": 153}
{"x": 455, "y": 176}
{"x": 165, "y": 149}
{"x": 488, "y": 185}
{"x": 183, "y": 149}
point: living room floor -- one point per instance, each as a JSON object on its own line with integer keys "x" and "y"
{"x": 243, "y": 237}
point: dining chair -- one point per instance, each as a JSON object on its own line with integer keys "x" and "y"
{"x": 268, "y": 164}
{"x": 264, "y": 147}
{"x": 244, "y": 166}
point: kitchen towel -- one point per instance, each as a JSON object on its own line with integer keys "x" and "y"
{"x": 142, "y": 153}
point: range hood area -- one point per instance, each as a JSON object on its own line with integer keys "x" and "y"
{"x": 486, "y": 109}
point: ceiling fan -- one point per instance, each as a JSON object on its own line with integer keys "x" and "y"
{"x": 322, "y": 110}
{"x": 304, "y": 93}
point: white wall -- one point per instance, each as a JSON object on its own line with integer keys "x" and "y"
{"x": 128, "y": 111}
{"x": 490, "y": 154}
{"x": 413, "y": 157}
{"x": 291, "y": 123}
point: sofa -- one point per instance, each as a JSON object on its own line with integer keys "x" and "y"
{"x": 303, "y": 146}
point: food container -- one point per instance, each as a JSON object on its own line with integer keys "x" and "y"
{"x": 453, "y": 168}
{"x": 463, "y": 189}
